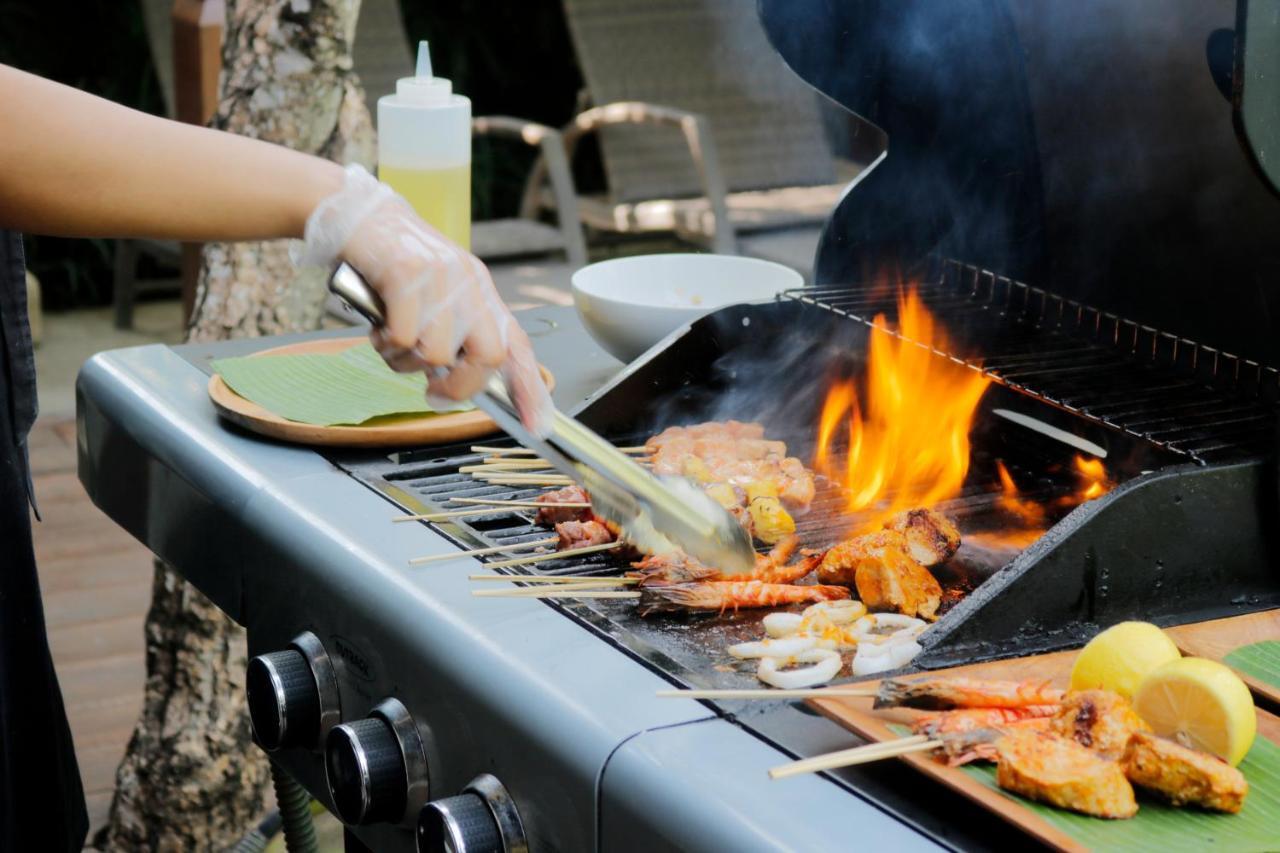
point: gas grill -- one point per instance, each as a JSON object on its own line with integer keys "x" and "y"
{"x": 537, "y": 720}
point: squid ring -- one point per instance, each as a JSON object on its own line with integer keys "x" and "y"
{"x": 825, "y": 664}
{"x": 786, "y": 647}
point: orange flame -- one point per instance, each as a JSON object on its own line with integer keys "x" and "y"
{"x": 1028, "y": 512}
{"x": 1094, "y": 475}
{"x": 909, "y": 445}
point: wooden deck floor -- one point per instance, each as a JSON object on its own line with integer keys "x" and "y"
{"x": 96, "y": 581}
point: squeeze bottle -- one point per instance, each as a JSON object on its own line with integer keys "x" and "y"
{"x": 424, "y": 149}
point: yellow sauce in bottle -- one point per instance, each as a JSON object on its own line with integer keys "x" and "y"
{"x": 440, "y": 196}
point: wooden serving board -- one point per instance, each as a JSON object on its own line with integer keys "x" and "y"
{"x": 856, "y": 714}
{"x": 391, "y": 431}
{"x": 1219, "y": 637}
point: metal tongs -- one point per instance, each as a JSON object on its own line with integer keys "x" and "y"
{"x": 656, "y": 514}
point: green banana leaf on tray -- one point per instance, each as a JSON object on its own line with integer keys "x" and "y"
{"x": 1262, "y": 661}
{"x": 1161, "y": 828}
{"x": 347, "y": 388}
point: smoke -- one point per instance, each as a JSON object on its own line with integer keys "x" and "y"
{"x": 1082, "y": 146}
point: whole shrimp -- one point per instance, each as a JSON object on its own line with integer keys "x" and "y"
{"x": 731, "y": 595}
{"x": 938, "y": 723}
{"x": 959, "y": 692}
{"x": 681, "y": 568}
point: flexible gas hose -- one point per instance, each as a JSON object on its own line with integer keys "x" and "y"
{"x": 295, "y": 812}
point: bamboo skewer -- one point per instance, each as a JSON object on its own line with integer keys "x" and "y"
{"x": 555, "y": 555}
{"x": 536, "y": 589}
{"x": 481, "y": 552}
{"x": 457, "y": 513}
{"x": 857, "y": 755}
{"x": 556, "y": 579}
{"x": 558, "y": 592}
{"x": 520, "y": 470}
{"x": 771, "y": 693}
{"x": 524, "y": 451}
{"x": 528, "y": 504}
{"x": 526, "y": 481}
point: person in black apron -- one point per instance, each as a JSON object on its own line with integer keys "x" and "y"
{"x": 92, "y": 168}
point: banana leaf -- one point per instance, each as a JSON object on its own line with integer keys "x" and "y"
{"x": 1260, "y": 660}
{"x": 328, "y": 389}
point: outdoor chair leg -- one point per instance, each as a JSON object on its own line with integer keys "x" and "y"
{"x": 125, "y": 282}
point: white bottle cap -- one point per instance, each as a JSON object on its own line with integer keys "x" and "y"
{"x": 424, "y": 125}
{"x": 423, "y": 87}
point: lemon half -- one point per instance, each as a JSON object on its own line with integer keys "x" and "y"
{"x": 1119, "y": 657}
{"x": 1201, "y": 704}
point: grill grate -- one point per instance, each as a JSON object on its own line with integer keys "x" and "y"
{"x": 423, "y": 485}
{"x": 1194, "y": 400}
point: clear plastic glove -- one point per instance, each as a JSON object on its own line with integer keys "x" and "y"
{"x": 442, "y": 308}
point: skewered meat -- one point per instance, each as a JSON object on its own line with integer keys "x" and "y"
{"x": 1099, "y": 720}
{"x": 731, "y": 595}
{"x": 965, "y": 719}
{"x": 932, "y": 538}
{"x": 579, "y": 534}
{"x": 673, "y": 567}
{"x": 943, "y": 693}
{"x": 678, "y": 567}
{"x": 551, "y": 515}
{"x": 965, "y": 745}
{"x": 732, "y": 453}
{"x": 1062, "y": 773}
{"x": 1182, "y": 775}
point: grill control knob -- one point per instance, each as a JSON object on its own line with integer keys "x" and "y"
{"x": 481, "y": 819}
{"x": 461, "y": 824}
{"x": 293, "y": 695}
{"x": 376, "y": 767}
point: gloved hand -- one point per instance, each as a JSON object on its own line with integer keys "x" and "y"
{"x": 442, "y": 308}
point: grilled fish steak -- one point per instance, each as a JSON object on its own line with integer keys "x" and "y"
{"x": 1182, "y": 775}
{"x": 1099, "y": 720}
{"x": 1062, "y": 773}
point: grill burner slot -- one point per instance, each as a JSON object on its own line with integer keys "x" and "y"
{"x": 1197, "y": 401}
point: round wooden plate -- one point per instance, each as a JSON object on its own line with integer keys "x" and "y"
{"x": 389, "y": 431}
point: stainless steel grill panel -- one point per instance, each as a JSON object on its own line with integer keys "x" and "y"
{"x": 1200, "y": 402}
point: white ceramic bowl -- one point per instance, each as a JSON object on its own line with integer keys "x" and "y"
{"x": 629, "y": 304}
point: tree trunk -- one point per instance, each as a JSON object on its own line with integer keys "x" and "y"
{"x": 192, "y": 779}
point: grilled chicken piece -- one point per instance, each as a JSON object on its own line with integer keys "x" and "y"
{"x": 1183, "y": 775}
{"x": 1099, "y": 720}
{"x": 840, "y": 562}
{"x": 1062, "y": 773}
{"x": 939, "y": 693}
{"x": 579, "y": 534}
{"x": 732, "y": 595}
{"x": 551, "y": 515}
{"x": 932, "y": 538}
{"x": 899, "y": 584}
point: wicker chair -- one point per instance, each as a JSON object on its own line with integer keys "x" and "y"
{"x": 704, "y": 132}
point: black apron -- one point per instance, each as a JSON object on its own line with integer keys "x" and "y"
{"x": 41, "y": 799}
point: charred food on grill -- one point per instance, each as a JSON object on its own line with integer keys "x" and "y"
{"x": 886, "y": 577}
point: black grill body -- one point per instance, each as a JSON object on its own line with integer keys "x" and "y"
{"x": 1184, "y": 536}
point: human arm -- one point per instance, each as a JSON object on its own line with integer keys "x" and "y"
{"x": 73, "y": 164}
{"x": 76, "y": 165}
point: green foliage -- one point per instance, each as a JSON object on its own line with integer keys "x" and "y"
{"x": 99, "y": 46}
